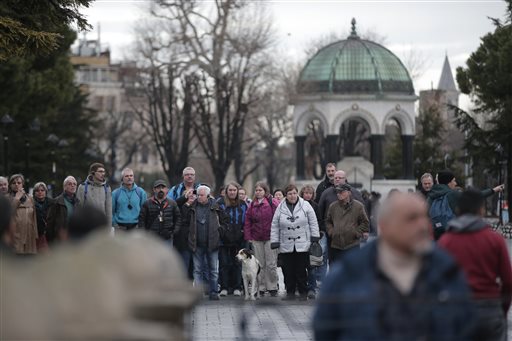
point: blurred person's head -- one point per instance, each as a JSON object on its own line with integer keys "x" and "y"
{"x": 343, "y": 192}
{"x": 203, "y": 194}
{"x": 40, "y": 191}
{"x": 307, "y": 193}
{"x": 6, "y": 227}
{"x": 189, "y": 175}
{"x": 392, "y": 192}
{"x": 292, "y": 193}
{"x": 222, "y": 191}
{"x": 128, "y": 177}
{"x": 97, "y": 172}
{"x": 86, "y": 220}
{"x": 4, "y": 185}
{"x": 340, "y": 178}
{"x": 16, "y": 183}
{"x": 471, "y": 202}
{"x": 69, "y": 185}
{"x": 404, "y": 223}
{"x": 261, "y": 190}
{"x": 330, "y": 169}
{"x": 427, "y": 181}
{"x": 160, "y": 190}
{"x": 242, "y": 194}
{"x": 279, "y": 194}
{"x": 446, "y": 177}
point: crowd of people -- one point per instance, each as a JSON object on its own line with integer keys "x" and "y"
{"x": 436, "y": 268}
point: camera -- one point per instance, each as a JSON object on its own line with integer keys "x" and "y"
{"x": 194, "y": 192}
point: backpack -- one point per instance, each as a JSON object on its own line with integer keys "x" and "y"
{"x": 440, "y": 214}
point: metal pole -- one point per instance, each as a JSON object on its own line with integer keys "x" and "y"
{"x": 6, "y": 157}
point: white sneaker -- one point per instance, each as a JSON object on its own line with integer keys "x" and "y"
{"x": 237, "y": 293}
{"x": 223, "y": 292}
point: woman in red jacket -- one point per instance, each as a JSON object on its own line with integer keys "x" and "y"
{"x": 258, "y": 221}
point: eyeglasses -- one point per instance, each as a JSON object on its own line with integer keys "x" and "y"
{"x": 100, "y": 171}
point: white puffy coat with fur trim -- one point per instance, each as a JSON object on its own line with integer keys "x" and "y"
{"x": 294, "y": 230}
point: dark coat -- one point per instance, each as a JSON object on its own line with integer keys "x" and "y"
{"x": 42, "y": 214}
{"x": 358, "y": 302}
{"x": 149, "y": 217}
{"x": 328, "y": 197}
{"x": 217, "y": 221}
{"x": 57, "y": 218}
{"x": 452, "y": 196}
{"x": 322, "y": 186}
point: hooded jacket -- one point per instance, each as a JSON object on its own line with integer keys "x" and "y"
{"x": 258, "y": 219}
{"x": 452, "y": 196}
{"x": 98, "y": 195}
{"x": 328, "y": 197}
{"x": 294, "y": 230}
{"x": 482, "y": 254}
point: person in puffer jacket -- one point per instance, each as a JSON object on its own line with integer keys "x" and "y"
{"x": 258, "y": 221}
{"x": 160, "y": 214}
{"x": 294, "y": 227}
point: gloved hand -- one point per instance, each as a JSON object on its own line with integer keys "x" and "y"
{"x": 275, "y": 245}
{"x": 314, "y": 239}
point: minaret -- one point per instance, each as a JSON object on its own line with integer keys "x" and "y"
{"x": 447, "y": 83}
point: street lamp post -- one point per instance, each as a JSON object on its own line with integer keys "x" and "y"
{"x": 6, "y": 121}
{"x": 53, "y": 140}
{"x": 33, "y": 127}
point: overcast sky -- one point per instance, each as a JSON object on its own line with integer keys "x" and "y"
{"x": 431, "y": 27}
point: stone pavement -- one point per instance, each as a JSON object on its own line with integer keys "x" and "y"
{"x": 265, "y": 319}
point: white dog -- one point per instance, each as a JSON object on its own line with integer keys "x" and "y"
{"x": 250, "y": 271}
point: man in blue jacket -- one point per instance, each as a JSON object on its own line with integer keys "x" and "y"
{"x": 400, "y": 287}
{"x": 127, "y": 201}
{"x": 189, "y": 181}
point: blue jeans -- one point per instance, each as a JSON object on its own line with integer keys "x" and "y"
{"x": 186, "y": 256}
{"x": 317, "y": 273}
{"x": 210, "y": 261}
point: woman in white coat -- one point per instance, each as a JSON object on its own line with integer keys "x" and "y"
{"x": 294, "y": 227}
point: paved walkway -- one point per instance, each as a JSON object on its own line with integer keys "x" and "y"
{"x": 267, "y": 319}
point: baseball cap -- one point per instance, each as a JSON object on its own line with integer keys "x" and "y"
{"x": 159, "y": 183}
{"x": 342, "y": 188}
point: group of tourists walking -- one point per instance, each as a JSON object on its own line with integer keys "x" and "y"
{"x": 377, "y": 286}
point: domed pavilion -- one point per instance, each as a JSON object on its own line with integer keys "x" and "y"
{"x": 354, "y": 79}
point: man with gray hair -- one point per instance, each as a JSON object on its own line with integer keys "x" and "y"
{"x": 204, "y": 218}
{"x": 60, "y": 212}
{"x": 189, "y": 182}
{"x": 426, "y": 183}
{"x": 4, "y": 185}
{"x": 127, "y": 201}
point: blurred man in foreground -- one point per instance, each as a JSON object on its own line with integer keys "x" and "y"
{"x": 399, "y": 287}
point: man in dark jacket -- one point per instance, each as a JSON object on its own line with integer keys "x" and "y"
{"x": 483, "y": 256}
{"x": 160, "y": 214}
{"x": 399, "y": 287}
{"x": 59, "y": 213}
{"x": 446, "y": 188}
{"x": 328, "y": 181}
{"x": 205, "y": 219}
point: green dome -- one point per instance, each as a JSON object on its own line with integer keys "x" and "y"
{"x": 355, "y": 65}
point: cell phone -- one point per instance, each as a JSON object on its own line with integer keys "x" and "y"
{"x": 194, "y": 192}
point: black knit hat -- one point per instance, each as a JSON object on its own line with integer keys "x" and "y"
{"x": 445, "y": 177}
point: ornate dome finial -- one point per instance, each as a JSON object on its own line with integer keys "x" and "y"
{"x": 353, "y": 31}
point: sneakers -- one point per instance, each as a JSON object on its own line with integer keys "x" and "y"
{"x": 223, "y": 292}
{"x": 262, "y": 293}
{"x": 311, "y": 295}
{"x": 273, "y": 293}
{"x": 214, "y": 297}
{"x": 237, "y": 293}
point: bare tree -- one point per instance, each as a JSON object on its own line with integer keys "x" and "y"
{"x": 165, "y": 111}
{"x": 223, "y": 44}
{"x": 415, "y": 62}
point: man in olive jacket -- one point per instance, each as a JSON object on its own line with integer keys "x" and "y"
{"x": 346, "y": 223}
